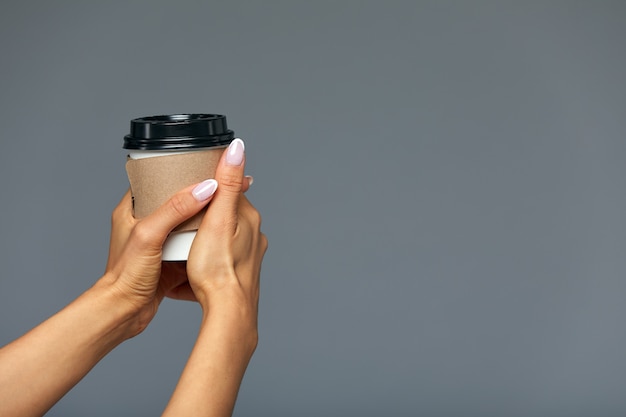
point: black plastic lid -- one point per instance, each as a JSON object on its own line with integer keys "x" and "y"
{"x": 178, "y": 131}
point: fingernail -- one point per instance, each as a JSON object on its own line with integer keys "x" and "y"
{"x": 204, "y": 190}
{"x": 234, "y": 153}
{"x": 250, "y": 179}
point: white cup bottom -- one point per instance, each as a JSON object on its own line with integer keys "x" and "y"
{"x": 177, "y": 245}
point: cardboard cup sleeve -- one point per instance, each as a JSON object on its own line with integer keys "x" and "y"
{"x": 154, "y": 180}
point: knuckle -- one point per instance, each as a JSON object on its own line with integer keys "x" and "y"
{"x": 232, "y": 181}
{"x": 251, "y": 214}
{"x": 142, "y": 234}
{"x": 179, "y": 205}
{"x": 255, "y": 217}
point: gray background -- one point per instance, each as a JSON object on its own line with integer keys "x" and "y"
{"x": 442, "y": 184}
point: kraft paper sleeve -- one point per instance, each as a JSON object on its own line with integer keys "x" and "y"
{"x": 154, "y": 180}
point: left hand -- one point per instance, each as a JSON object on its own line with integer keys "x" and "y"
{"x": 172, "y": 274}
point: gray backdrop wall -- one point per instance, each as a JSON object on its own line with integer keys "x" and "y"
{"x": 442, "y": 184}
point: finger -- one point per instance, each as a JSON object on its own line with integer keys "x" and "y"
{"x": 180, "y": 207}
{"x": 229, "y": 175}
{"x": 122, "y": 217}
{"x": 247, "y": 182}
{"x": 125, "y": 206}
{"x": 122, "y": 223}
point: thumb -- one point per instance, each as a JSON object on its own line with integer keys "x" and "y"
{"x": 230, "y": 175}
{"x": 181, "y": 206}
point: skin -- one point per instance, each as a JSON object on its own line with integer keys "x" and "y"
{"x": 221, "y": 274}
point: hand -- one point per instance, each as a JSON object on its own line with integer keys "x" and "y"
{"x": 135, "y": 267}
{"x": 223, "y": 269}
{"x": 225, "y": 260}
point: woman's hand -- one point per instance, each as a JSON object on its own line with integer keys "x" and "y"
{"x": 225, "y": 259}
{"x": 223, "y": 269}
{"x": 122, "y": 225}
{"x": 135, "y": 268}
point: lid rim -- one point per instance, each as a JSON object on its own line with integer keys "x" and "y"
{"x": 178, "y": 131}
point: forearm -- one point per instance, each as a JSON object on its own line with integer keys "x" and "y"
{"x": 210, "y": 381}
{"x": 37, "y": 369}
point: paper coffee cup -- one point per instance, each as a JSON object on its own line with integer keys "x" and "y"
{"x": 170, "y": 152}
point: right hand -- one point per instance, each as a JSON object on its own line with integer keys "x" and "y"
{"x": 224, "y": 264}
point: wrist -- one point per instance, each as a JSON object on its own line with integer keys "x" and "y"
{"x": 234, "y": 318}
{"x": 240, "y": 342}
{"x": 123, "y": 312}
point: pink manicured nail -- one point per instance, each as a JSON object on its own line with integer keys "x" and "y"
{"x": 204, "y": 190}
{"x": 234, "y": 153}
